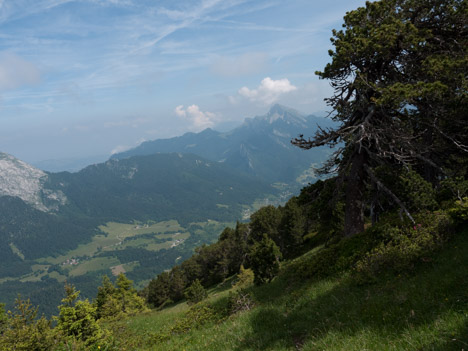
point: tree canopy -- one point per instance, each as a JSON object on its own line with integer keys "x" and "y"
{"x": 398, "y": 70}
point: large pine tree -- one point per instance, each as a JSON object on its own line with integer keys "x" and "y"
{"x": 399, "y": 73}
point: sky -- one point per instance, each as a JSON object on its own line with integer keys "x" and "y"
{"x": 80, "y": 78}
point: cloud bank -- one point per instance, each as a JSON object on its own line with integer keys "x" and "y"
{"x": 268, "y": 91}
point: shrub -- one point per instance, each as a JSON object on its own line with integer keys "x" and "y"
{"x": 77, "y": 319}
{"x": 195, "y": 317}
{"x": 195, "y": 293}
{"x": 459, "y": 211}
{"x": 244, "y": 279}
{"x": 400, "y": 247}
{"x": 240, "y": 300}
{"x": 22, "y": 331}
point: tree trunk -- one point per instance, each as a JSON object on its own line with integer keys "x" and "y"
{"x": 355, "y": 187}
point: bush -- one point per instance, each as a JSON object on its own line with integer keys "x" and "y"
{"x": 459, "y": 211}
{"x": 22, "y": 331}
{"x": 195, "y": 317}
{"x": 195, "y": 293}
{"x": 240, "y": 300}
{"x": 77, "y": 319}
{"x": 400, "y": 247}
{"x": 244, "y": 279}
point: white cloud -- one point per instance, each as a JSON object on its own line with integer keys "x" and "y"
{"x": 268, "y": 91}
{"x": 16, "y": 72}
{"x": 179, "y": 111}
{"x": 199, "y": 119}
{"x": 242, "y": 65}
{"x": 120, "y": 148}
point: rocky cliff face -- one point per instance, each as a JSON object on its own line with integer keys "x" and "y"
{"x": 19, "y": 179}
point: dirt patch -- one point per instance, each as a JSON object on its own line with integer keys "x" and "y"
{"x": 116, "y": 270}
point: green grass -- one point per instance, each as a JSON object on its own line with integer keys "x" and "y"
{"x": 16, "y": 251}
{"x": 113, "y": 239}
{"x": 94, "y": 264}
{"x": 115, "y": 234}
{"x": 426, "y": 309}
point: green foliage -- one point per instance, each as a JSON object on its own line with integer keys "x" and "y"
{"x": 194, "y": 318}
{"x": 401, "y": 246}
{"x": 398, "y": 68}
{"x": 195, "y": 292}
{"x": 459, "y": 211}
{"x": 105, "y": 291}
{"x": 326, "y": 261}
{"x": 23, "y": 331}
{"x": 3, "y": 318}
{"x": 244, "y": 279}
{"x": 265, "y": 221}
{"x": 77, "y": 319}
{"x": 178, "y": 284}
{"x": 323, "y": 207}
{"x": 210, "y": 264}
{"x": 417, "y": 193}
{"x": 118, "y": 301}
{"x": 159, "y": 290}
{"x": 264, "y": 260}
{"x": 292, "y": 227}
{"x": 239, "y": 301}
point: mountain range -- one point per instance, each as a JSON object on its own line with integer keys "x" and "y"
{"x": 261, "y": 146}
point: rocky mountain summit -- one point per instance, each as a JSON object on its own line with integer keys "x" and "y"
{"x": 19, "y": 179}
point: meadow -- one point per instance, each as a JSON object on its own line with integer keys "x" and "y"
{"x": 423, "y": 309}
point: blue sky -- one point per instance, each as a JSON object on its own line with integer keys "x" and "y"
{"x": 91, "y": 77}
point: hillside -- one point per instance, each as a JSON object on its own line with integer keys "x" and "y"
{"x": 160, "y": 187}
{"x": 425, "y": 309}
{"x": 283, "y": 281}
{"x": 54, "y": 212}
{"x": 261, "y": 146}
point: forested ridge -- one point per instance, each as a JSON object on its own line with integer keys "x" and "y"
{"x": 385, "y": 232}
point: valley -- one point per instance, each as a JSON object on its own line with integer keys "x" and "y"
{"x": 97, "y": 255}
{"x": 145, "y": 210}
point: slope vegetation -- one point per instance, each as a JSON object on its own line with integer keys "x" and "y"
{"x": 425, "y": 309}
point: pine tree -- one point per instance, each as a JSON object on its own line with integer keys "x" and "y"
{"x": 77, "y": 318}
{"x": 195, "y": 292}
{"x": 264, "y": 260}
{"x": 398, "y": 71}
{"x": 23, "y": 331}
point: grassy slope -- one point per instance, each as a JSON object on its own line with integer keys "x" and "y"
{"x": 424, "y": 310}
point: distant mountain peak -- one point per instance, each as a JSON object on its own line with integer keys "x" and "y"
{"x": 281, "y": 113}
{"x": 281, "y": 110}
{"x": 20, "y": 179}
{"x": 260, "y": 146}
